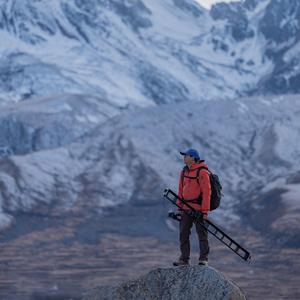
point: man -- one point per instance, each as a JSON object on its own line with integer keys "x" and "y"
{"x": 194, "y": 188}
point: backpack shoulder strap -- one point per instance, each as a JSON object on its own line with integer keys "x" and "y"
{"x": 198, "y": 172}
{"x": 182, "y": 174}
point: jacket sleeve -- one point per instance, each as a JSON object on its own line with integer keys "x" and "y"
{"x": 206, "y": 191}
{"x": 180, "y": 189}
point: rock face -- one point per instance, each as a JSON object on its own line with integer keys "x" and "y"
{"x": 195, "y": 282}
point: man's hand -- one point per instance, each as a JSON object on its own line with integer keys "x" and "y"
{"x": 175, "y": 216}
{"x": 180, "y": 212}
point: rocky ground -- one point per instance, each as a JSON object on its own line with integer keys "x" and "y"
{"x": 172, "y": 283}
{"x": 49, "y": 256}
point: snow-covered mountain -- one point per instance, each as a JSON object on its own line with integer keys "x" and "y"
{"x": 146, "y": 52}
{"x": 97, "y": 95}
{"x": 276, "y": 24}
{"x": 249, "y": 142}
{"x": 115, "y": 49}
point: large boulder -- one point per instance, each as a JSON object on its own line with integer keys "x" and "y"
{"x": 195, "y": 282}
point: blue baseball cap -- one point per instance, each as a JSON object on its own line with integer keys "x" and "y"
{"x": 191, "y": 152}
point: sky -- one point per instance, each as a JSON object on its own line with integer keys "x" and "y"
{"x": 208, "y": 3}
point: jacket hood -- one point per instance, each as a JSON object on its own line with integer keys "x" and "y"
{"x": 197, "y": 165}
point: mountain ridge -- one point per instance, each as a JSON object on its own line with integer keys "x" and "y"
{"x": 147, "y": 53}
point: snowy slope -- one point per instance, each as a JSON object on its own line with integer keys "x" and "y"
{"x": 148, "y": 52}
{"x": 50, "y": 123}
{"x": 138, "y": 52}
{"x": 121, "y": 160}
{"x": 276, "y": 24}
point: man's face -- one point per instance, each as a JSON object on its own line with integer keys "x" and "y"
{"x": 188, "y": 160}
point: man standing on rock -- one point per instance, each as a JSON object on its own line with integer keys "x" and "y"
{"x": 194, "y": 188}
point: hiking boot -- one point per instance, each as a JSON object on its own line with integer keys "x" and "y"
{"x": 181, "y": 262}
{"x": 203, "y": 263}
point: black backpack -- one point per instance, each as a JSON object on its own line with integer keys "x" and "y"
{"x": 216, "y": 188}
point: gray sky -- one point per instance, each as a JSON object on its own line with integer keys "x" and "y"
{"x": 208, "y": 3}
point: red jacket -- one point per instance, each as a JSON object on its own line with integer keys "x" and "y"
{"x": 191, "y": 189}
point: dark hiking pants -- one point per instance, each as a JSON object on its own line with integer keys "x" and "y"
{"x": 186, "y": 224}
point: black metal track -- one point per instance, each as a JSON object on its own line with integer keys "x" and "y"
{"x": 212, "y": 228}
